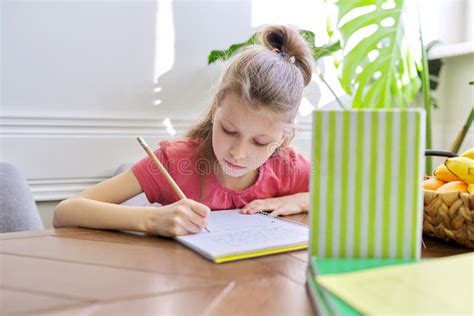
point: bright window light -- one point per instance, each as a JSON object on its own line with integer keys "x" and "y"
{"x": 305, "y": 107}
{"x": 169, "y": 126}
{"x": 164, "y": 39}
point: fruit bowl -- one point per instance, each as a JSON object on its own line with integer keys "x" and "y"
{"x": 449, "y": 216}
{"x": 448, "y": 204}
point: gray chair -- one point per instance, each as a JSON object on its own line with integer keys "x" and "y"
{"x": 18, "y": 211}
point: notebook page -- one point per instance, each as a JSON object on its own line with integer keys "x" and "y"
{"x": 233, "y": 219}
{"x": 231, "y": 233}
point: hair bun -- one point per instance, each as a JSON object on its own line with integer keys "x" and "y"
{"x": 291, "y": 44}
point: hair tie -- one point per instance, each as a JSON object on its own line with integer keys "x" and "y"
{"x": 291, "y": 59}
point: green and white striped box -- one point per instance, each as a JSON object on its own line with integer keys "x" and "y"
{"x": 366, "y": 191}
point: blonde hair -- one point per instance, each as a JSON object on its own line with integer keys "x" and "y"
{"x": 270, "y": 75}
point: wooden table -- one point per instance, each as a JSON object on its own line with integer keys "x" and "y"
{"x": 74, "y": 271}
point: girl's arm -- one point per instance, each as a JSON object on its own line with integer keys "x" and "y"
{"x": 98, "y": 207}
{"x": 284, "y": 205}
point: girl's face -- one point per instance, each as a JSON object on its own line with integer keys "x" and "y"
{"x": 243, "y": 138}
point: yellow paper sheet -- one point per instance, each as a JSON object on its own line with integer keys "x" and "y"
{"x": 437, "y": 286}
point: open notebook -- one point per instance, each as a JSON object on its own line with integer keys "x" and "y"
{"x": 234, "y": 236}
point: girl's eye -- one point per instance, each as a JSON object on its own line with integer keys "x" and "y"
{"x": 260, "y": 144}
{"x": 228, "y": 132}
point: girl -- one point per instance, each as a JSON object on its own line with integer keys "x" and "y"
{"x": 236, "y": 157}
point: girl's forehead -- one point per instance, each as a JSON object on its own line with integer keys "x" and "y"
{"x": 241, "y": 115}
{"x": 236, "y": 108}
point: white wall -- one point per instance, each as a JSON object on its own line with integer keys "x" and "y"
{"x": 78, "y": 80}
{"x": 456, "y": 99}
{"x": 451, "y": 23}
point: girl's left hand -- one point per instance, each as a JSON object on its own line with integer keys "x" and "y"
{"x": 285, "y": 205}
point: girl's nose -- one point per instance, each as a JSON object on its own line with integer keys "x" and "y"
{"x": 238, "y": 150}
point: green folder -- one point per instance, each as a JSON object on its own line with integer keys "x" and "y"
{"x": 325, "y": 302}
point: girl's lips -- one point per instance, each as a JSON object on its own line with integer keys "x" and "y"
{"x": 233, "y": 166}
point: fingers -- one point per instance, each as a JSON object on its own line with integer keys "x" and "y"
{"x": 284, "y": 205}
{"x": 278, "y": 212}
{"x": 189, "y": 217}
{"x": 198, "y": 208}
{"x": 258, "y": 206}
{"x": 199, "y": 214}
{"x": 284, "y": 211}
{"x": 253, "y": 210}
{"x": 199, "y": 222}
{"x": 186, "y": 227}
{"x": 180, "y": 223}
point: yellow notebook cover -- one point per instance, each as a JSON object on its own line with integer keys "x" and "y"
{"x": 234, "y": 236}
{"x": 441, "y": 286}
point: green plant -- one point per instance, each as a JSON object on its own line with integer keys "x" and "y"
{"x": 388, "y": 79}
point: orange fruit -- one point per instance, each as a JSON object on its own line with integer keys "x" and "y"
{"x": 442, "y": 173}
{"x": 432, "y": 184}
{"x": 453, "y": 186}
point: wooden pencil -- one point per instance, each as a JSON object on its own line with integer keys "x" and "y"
{"x": 162, "y": 169}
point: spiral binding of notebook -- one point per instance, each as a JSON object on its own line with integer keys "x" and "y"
{"x": 283, "y": 219}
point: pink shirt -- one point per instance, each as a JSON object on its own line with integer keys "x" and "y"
{"x": 282, "y": 174}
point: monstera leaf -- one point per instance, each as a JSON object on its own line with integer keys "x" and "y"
{"x": 380, "y": 71}
{"x": 231, "y": 51}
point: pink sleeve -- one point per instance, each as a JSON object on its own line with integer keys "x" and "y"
{"x": 303, "y": 174}
{"x": 149, "y": 177}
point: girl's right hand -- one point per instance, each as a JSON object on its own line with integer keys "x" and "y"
{"x": 180, "y": 218}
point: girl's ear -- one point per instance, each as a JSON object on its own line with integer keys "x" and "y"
{"x": 274, "y": 148}
{"x": 288, "y": 137}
